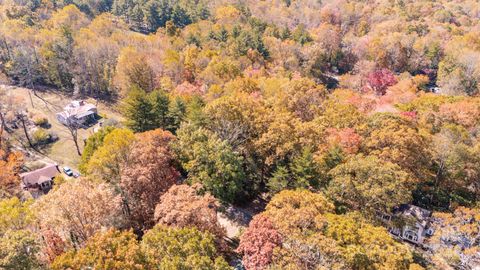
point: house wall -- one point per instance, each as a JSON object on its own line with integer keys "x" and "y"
{"x": 61, "y": 119}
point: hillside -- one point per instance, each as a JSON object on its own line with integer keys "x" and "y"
{"x": 225, "y": 134}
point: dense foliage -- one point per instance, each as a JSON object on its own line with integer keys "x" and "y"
{"x": 331, "y": 113}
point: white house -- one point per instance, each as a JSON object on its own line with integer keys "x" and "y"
{"x": 409, "y": 223}
{"x": 77, "y": 112}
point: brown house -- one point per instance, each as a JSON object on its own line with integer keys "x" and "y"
{"x": 40, "y": 181}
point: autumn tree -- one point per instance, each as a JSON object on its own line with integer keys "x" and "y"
{"x": 112, "y": 249}
{"x": 239, "y": 119}
{"x": 258, "y": 242}
{"x": 92, "y": 144}
{"x": 56, "y": 52}
{"x": 53, "y": 245}
{"x": 336, "y": 113}
{"x": 10, "y": 163}
{"x": 18, "y": 250}
{"x": 456, "y": 166}
{"x": 368, "y": 184}
{"x": 133, "y": 69}
{"x": 407, "y": 146}
{"x": 181, "y": 248}
{"x": 15, "y": 214}
{"x": 181, "y": 206}
{"x": 458, "y": 71}
{"x": 282, "y": 140}
{"x": 19, "y": 245}
{"x": 380, "y": 80}
{"x": 298, "y": 217}
{"x": 148, "y": 173}
{"x": 300, "y": 206}
{"x": 313, "y": 236}
{"x": 95, "y": 54}
{"x": 456, "y": 237}
{"x": 366, "y": 246}
{"x": 78, "y": 209}
{"x": 303, "y": 97}
{"x": 236, "y": 118}
{"x": 105, "y": 162}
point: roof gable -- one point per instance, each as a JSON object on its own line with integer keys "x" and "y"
{"x": 39, "y": 176}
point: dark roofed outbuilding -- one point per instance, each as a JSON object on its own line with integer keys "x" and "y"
{"x": 39, "y": 181}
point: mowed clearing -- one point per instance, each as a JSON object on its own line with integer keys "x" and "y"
{"x": 47, "y": 104}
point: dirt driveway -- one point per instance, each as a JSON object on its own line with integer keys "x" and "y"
{"x": 47, "y": 104}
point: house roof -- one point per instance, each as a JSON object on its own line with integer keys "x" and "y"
{"x": 83, "y": 114}
{"x": 421, "y": 214}
{"x": 39, "y": 176}
{"x": 78, "y": 109}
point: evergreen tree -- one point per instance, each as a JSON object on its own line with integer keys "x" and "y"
{"x": 304, "y": 170}
{"x": 176, "y": 114}
{"x": 195, "y": 112}
{"x": 139, "y": 111}
{"x": 301, "y": 172}
{"x": 160, "y": 104}
{"x": 211, "y": 162}
{"x": 280, "y": 180}
{"x": 286, "y": 33}
{"x": 301, "y": 35}
{"x": 180, "y": 17}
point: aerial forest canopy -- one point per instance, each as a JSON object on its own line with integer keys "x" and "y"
{"x": 273, "y": 134}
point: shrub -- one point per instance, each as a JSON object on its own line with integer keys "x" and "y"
{"x": 40, "y": 121}
{"x": 40, "y": 136}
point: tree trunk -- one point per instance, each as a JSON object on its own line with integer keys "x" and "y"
{"x": 3, "y": 123}
{"x": 73, "y": 132}
{"x": 22, "y": 119}
{"x": 30, "y": 95}
{"x": 7, "y": 48}
{"x": 2, "y": 128}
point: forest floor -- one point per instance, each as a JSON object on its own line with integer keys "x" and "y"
{"x": 47, "y": 104}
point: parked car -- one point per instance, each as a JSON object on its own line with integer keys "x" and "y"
{"x": 68, "y": 171}
{"x": 76, "y": 174}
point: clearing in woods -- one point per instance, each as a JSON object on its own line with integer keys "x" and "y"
{"x": 47, "y": 104}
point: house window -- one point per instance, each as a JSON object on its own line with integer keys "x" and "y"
{"x": 394, "y": 231}
{"x": 410, "y": 235}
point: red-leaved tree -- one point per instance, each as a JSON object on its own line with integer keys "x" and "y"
{"x": 54, "y": 245}
{"x": 258, "y": 242}
{"x": 182, "y": 207}
{"x": 379, "y": 80}
{"x": 148, "y": 173}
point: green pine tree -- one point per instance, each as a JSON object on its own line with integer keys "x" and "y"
{"x": 304, "y": 170}
{"x": 195, "y": 114}
{"x": 160, "y": 107}
{"x": 139, "y": 111}
{"x": 286, "y": 33}
{"x": 280, "y": 180}
{"x": 176, "y": 114}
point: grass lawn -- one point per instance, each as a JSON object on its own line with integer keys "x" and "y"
{"x": 47, "y": 104}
